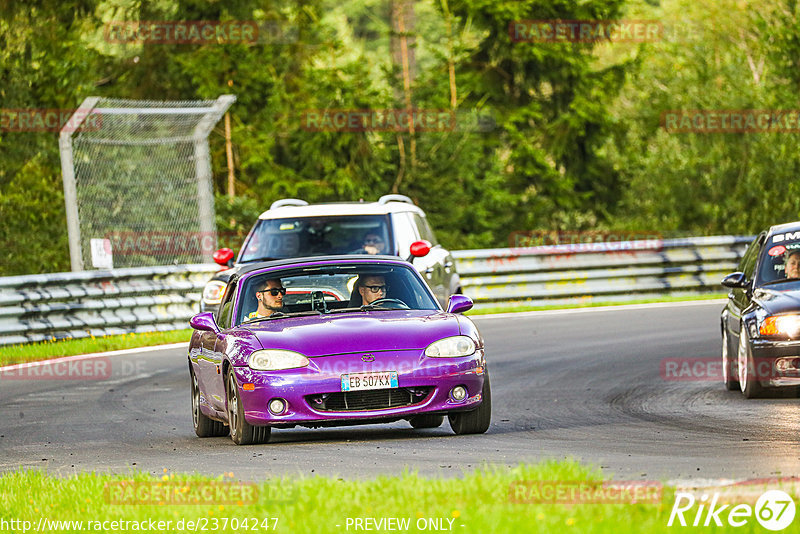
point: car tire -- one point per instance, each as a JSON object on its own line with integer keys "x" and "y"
{"x": 204, "y": 426}
{"x": 242, "y": 432}
{"x": 427, "y": 421}
{"x": 750, "y": 387}
{"x": 474, "y": 421}
{"x": 731, "y": 382}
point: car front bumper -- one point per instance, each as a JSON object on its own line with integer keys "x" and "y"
{"x": 425, "y": 384}
{"x": 777, "y": 363}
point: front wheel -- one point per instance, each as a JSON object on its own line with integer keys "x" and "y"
{"x": 242, "y": 432}
{"x": 731, "y": 383}
{"x": 204, "y": 426}
{"x": 748, "y": 376}
{"x": 474, "y": 421}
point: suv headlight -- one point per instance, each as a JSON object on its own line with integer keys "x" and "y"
{"x": 213, "y": 292}
{"x": 780, "y": 325}
{"x": 275, "y": 360}
{"x": 451, "y": 347}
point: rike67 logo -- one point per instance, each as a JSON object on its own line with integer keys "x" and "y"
{"x": 774, "y": 510}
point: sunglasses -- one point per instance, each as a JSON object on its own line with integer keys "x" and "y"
{"x": 376, "y": 289}
{"x": 274, "y": 291}
{"x": 372, "y": 241}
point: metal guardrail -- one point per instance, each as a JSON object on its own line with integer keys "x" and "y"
{"x": 42, "y": 307}
{"x": 95, "y": 303}
{"x": 580, "y": 273}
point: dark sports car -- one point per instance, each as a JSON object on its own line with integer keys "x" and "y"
{"x": 761, "y": 322}
{"x": 330, "y": 341}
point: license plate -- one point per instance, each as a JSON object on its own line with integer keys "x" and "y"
{"x": 360, "y": 381}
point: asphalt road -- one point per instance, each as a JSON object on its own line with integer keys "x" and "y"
{"x": 586, "y": 384}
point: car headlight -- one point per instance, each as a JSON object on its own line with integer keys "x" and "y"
{"x": 275, "y": 360}
{"x": 213, "y": 292}
{"x": 780, "y": 325}
{"x": 451, "y": 347}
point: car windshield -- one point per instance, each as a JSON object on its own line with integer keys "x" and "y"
{"x": 331, "y": 289}
{"x": 780, "y": 262}
{"x": 318, "y": 236}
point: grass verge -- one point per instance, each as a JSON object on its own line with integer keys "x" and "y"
{"x": 477, "y": 503}
{"x": 71, "y": 347}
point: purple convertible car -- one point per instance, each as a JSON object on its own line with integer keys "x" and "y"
{"x": 330, "y": 341}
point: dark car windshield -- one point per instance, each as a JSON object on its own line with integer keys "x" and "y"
{"x": 334, "y": 289}
{"x": 317, "y": 236}
{"x": 780, "y": 261}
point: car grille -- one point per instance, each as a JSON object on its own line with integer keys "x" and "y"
{"x": 372, "y": 399}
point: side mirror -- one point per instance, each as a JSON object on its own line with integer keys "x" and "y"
{"x": 204, "y": 321}
{"x": 420, "y": 248}
{"x": 224, "y": 257}
{"x": 459, "y": 304}
{"x": 735, "y": 281}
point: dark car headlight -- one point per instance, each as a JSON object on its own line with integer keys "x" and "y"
{"x": 276, "y": 360}
{"x": 451, "y": 347}
{"x": 780, "y": 326}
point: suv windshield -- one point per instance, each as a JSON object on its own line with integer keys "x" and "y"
{"x": 780, "y": 262}
{"x": 317, "y": 236}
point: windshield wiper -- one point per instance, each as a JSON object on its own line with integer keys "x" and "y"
{"x": 265, "y": 258}
{"x": 371, "y": 307}
{"x": 281, "y": 315}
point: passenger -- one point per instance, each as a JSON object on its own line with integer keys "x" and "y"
{"x": 269, "y": 295}
{"x": 792, "y": 263}
{"x": 371, "y": 288}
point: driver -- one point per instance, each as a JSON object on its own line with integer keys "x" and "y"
{"x": 792, "y": 263}
{"x": 373, "y": 244}
{"x": 269, "y": 295}
{"x": 371, "y": 288}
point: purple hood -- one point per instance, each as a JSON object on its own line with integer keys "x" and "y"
{"x": 356, "y": 332}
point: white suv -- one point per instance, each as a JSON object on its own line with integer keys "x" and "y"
{"x": 292, "y": 228}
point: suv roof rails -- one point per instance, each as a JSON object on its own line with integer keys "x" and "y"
{"x": 395, "y": 198}
{"x": 288, "y": 202}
